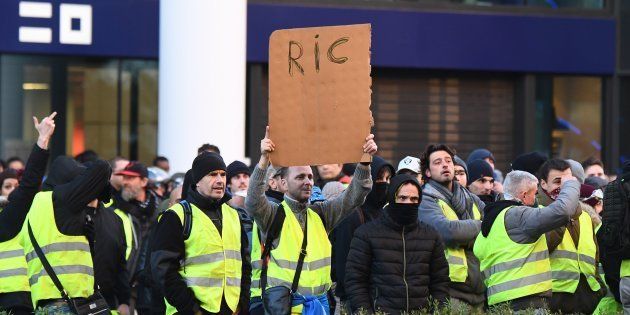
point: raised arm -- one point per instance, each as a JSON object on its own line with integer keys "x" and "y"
{"x": 14, "y": 214}
{"x": 256, "y": 204}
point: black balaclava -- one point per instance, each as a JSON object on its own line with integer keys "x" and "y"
{"x": 377, "y": 198}
{"x": 403, "y": 214}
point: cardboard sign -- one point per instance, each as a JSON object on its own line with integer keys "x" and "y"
{"x": 319, "y": 94}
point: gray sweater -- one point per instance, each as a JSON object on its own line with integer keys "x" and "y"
{"x": 526, "y": 224}
{"x": 332, "y": 211}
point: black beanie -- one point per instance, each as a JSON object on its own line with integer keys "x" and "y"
{"x": 478, "y": 169}
{"x": 235, "y": 168}
{"x": 626, "y": 167}
{"x": 529, "y": 162}
{"x": 205, "y": 163}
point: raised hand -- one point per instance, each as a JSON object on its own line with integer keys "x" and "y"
{"x": 266, "y": 147}
{"x": 45, "y": 128}
{"x": 370, "y": 146}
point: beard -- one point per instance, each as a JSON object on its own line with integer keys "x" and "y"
{"x": 129, "y": 193}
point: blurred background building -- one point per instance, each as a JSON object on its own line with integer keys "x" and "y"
{"x": 144, "y": 77}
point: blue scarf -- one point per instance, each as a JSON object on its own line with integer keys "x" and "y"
{"x": 313, "y": 304}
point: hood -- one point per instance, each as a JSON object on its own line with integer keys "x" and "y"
{"x": 62, "y": 171}
{"x": 491, "y": 211}
{"x": 398, "y": 181}
{"x": 377, "y": 164}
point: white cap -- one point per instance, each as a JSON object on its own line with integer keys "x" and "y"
{"x": 409, "y": 163}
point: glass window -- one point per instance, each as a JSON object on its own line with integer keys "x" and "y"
{"x": 105, "y": 105}
{"x": 569, "y": 116}
{"x": 25, "y": 84}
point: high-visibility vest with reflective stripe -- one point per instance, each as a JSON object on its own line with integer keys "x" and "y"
{"x": 512, "y": 270}
{"x": 13, "y": 267}
{"x": 568, "y": 262}
{"x": 255, "y": 290}
{"x": 212, "y": 266}
{"x": 625, "y": 268}
{"x": 69, "y": 256}
{"x": 315, "y": 276}
{"x": 456, "y": 256}
{"x": 130, "y": 236}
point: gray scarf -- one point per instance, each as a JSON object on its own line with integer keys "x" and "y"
{"x": 460, "y": 200}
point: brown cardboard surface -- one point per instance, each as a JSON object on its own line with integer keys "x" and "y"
{"x": 319, "y": 94}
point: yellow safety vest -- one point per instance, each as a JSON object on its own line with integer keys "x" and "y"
{"x": 130, "y": 232}
{"x": 512, "y": 270}
{"x": 568, "y": 262}
{"x": 13, "y": 276}
{"x": 212, "y": 267}
{"x": 625, "y": 268}
{"x": 255, "y": 290}
{"x": 315, "y": 276}
{"x": 69, "y": 256}
{"x": 456, "y": 256}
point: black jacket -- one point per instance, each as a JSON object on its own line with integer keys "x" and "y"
{"x": 13, "y": 215}
{"x": 342, "y": 235}
{"x": 168, "y": 250}
{"x": 396, "y": 268}
{"x": 110, "y": 269}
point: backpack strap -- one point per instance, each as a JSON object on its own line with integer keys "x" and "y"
{"x": 361, "y": 216}
{"x": 187, "y": 218}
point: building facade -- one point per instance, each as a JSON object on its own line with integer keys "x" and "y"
{"x": 511, "y": 75}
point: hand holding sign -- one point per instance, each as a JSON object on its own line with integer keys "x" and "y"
{"x": 266, "y": 147}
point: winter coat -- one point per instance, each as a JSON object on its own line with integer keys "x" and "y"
{"x": 395, "y": 268}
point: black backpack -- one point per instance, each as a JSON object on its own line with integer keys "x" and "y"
{"x": 613, "y": 237}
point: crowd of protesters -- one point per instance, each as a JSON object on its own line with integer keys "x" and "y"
{"x": 438, "y": 230}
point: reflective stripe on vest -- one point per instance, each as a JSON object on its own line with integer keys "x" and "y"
{"x": 212, "y": 267}
{"x": 13, "y": 275}
{"x": 512, "y": 270}
{"x": 255, "y": 290}
{"x": 130, "y": 232}
{"x": 68, "y": 255}
{"x": 315, "y": 276}
{"x": 456, "y": 257}
{"x": 568, "y": 262}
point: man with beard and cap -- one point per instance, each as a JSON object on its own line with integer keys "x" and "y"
{"x": 456, "y": 214}
{"x": 297, "y": 216}
{"x": 63, "y": 217}
{"x": 206, "y": 271}
{"x": 370, "y": 210}
{"x": 511, "y": 246}
{"x": 396, "y": 264}
{"x": 481, "y": 181}
{"x": 577, "y": 287}
{"x": 15, "y": 297}
{"x": 461, "y": 171}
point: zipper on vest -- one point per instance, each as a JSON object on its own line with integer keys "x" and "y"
{"x": 405, "y": 268}
{"x": 375, "y": 299}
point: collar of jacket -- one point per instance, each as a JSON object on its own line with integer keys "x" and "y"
{"x": 205, "y": 203}
{"x": 296, "y": 206}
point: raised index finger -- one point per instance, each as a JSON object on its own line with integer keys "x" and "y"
{"x": 52, "y": 116}
{"x": 267, "y": 132}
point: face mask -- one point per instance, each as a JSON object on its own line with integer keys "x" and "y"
{"x": 403, "y": 213}
{"x": 377, "y": 198}
{"x": 553, "y": 194}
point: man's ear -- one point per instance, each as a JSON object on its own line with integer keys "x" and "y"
{"x": 543, "y": 184}
{"x": 427, "y": 173}
{"x": 144, "y": 182}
